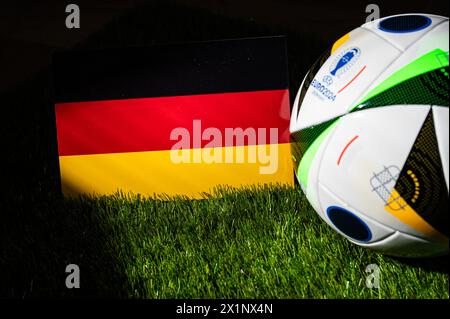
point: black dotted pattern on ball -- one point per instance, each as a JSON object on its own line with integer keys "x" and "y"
{"x": 404, "y": 24}
{"x": 302, "y": 140}
{"x": 430, "y": 88}
{"x": 424, "y": 162}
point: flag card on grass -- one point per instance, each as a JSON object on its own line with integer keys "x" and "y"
{"x": 173, "y": 119}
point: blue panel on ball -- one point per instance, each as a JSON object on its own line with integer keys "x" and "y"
{"x": 349, "y": 224}
{"x": 405, "y": 24}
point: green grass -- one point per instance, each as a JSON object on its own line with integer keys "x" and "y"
{"x": 248, "y": 244}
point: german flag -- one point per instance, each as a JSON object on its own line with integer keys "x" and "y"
{"x": 173, "y": 119}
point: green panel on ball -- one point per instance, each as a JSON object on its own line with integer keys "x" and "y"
{"x": 433, "y": 60}
{"x": 305, "y": 144}
{"x": 430, "y": 88}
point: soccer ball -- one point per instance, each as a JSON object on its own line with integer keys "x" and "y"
{"x": 370, "y": 135}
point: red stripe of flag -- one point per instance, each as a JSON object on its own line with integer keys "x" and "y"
{"x": 145, "y": 124}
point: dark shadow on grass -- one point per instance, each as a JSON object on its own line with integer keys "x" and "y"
{"x": 436, "y": 264}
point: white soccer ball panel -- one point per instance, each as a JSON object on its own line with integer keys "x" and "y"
{"x": 328, "y": 199}
{"x": 345, "y": 78}
{"x": 311, "y": 190}
{"x": 436, "y": 38}
{"x": 366, "y": 155}
{"x": 404, "y": 245}
{"x": 403, "y": 40}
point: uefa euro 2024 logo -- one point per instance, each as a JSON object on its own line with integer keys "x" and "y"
{"x": 344, "y": 61}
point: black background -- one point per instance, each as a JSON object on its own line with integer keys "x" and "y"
{"x": 30, "y": 31}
